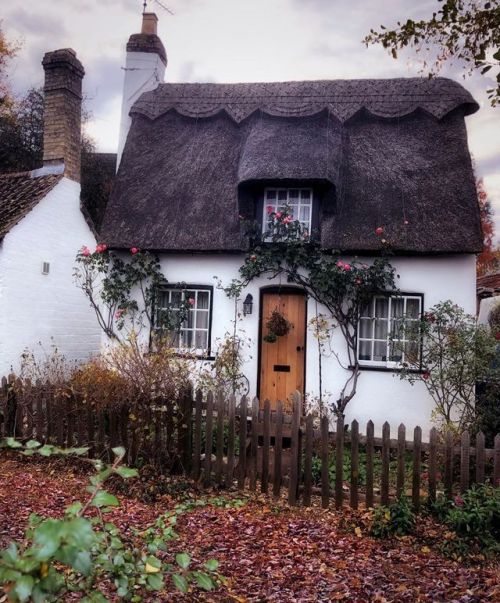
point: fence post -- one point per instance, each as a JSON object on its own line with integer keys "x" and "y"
{"x": 400, "y": 478}
{"x": 230, "y": 439}
{"x": 209, "y": 432}
{"x": 242, "y": 457}
{"x": 278, "y": 448}
{"x": 448, "y": 465}
{"x": 197, "y": 435}
{"x": 339, "y": 462}
{"x": 386, "y": 448}
{"x": 293, "y": 483}
{"x": 254, "y": 444}
{"x": 308, "y": 448}
{"x": 432, "y": 463}
{"x": 264, "y": 483}
{"x": 219, "y": 454}
{"x": 464, "y": 462}
{"x": 11, "y": 428}
{"x": 354, "y": 464}
{"x": 369, "y": 463}
{"x": 417, "y": 463}
{"x": 480, "y": 458}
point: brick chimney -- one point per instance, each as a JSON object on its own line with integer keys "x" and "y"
{"x": 145, "y": 65}
{"x": 63, "y": 111}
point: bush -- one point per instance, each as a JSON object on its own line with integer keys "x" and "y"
{"x": 396, "y": 520}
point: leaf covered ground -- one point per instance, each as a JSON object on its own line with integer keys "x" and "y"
{"x": 267, "y": 551}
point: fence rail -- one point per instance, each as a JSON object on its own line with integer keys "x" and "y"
{"x": 229, "y": 442}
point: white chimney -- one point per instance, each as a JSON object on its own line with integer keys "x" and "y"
{"x": 144, "y": 69}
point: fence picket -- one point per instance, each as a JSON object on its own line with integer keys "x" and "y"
{"x": 369, "y": 464}
{"x": 354, "y": 464}
{"x": 40, "y": 423}
{"x": 400, "y": 477}
{"x": 465, "y": 462}
{"x": 278, "y": 448}
{"x": 242, "y": 456}
{"x": 386, "y": 444}
{"x": 496, "y": 461}
{"x": 209, "y": 432}
{"x": 197, "y": 435}
{"x": 264, "y": 484}
{"x": 339, "y": 463}
{"x": 231, "y": 411}
{"x": 417, "y": 462}
{"x": 254, "y": 444}
{"x": 308, "y": 460}
{"x": 325, "y": 464}
{"x": 219, "y": 454}
{"x": 432, "y": 463}
{"x": 448, "y": 465}
{"x": 480, "y": 458}
{"x": 293, "y": 483}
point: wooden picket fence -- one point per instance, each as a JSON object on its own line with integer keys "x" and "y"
{"x": 218, "y": 441}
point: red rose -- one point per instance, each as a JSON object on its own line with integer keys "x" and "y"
{"x": 85, "y": 251}
{"x": 459, "y": 501}
{"x": 270, "y": 209}
{"x": 253, "y": 258}
{"x": 278, "y": 214}
{"x": 134, "y": 250}
{"x": 497, "y": 336}
{"x": 379, "y": 231}
{"x": 191, "y": 301}
{"x": 426, "y": 375}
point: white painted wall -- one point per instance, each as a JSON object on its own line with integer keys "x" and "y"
{"x": 381, "y": 395}
{"x": 37, "y": 308}
{"x": 143, "y": 72}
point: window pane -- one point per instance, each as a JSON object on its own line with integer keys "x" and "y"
{"x": 304, "y": 214}
{"x": 270, "y": 195}
{"x": 397, "y": 306}
{"x": 202, "y": 320}
{"x": 202, "y": 300}
{"x": 190, "y": 319}
{"x": 396, "y": 351}
{"x": 293, "y": 194}
{"x": 163, "y": 299}
{"x": 187, "y": 339}
{"x": 380, "y": 329}
{"x": 365, "y": 350}
{"x": 175, "y": 298}
{"x": 367, "y": 311}
{"x": 398, "y": 329}
{"x": 381, "y": 307}
{"x": 412, "y": 352}
{"x": 282, "y": 195}
{"x": 380, "y": 350}
{"x": 413, "y": 308}
{"x": 305, "y": 195}
{"x": 201, "y": 340}
{"x": 366, "y": 328}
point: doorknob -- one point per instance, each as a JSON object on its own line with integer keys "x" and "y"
{"x": 300, "y": 348}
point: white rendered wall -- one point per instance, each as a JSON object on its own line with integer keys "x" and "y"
{"x": 381, "y": 396}
{"x": 46, "y": 308}
{"x": 143, "y": 72}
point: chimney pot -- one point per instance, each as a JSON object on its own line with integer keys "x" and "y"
{"x": 149, "y": 23}
{"x": 63, "y": 111}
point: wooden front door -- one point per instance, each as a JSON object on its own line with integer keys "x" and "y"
{"x": 282, "y": 363}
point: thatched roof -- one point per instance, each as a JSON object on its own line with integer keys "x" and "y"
{"x": 19, "y": 193}
{"x": 392, "y": 152}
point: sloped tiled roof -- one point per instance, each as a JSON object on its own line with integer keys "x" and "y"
{"x": 19, "y": 194}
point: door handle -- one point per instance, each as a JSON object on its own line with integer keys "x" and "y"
{"x": 300, "y": 348}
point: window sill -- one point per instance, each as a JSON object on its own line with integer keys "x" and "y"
{"x": 385, "y": 369}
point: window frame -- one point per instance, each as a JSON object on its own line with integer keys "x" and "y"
{"x": 198, "y": 352}
{"x": 266, "y": 203}
{"x": 389, "y": 365}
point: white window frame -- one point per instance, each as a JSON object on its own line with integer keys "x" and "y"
{"x": 187, "y": 291}
{"x": 277, "y": 205}
{"x": 390, "y": 364}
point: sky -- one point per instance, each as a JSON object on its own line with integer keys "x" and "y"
{"x": 234, "y": 41}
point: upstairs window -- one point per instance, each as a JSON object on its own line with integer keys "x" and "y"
{"x": 193, "y": 334}
{"x": 382, "y": 340}
{"x": 298, "y": 200}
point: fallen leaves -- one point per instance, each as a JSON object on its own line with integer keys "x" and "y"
{"x": 267, "y": 551}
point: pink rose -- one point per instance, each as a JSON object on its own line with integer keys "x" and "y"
{"x": 340, "y": 264}
{"x": 119, "y": 313}
{"x": 379, "y": 231}
{"x": 101, "y": 248}
{"x": 347, "y": 267}
{"x": 270, "y": 209}
{"x": 287, "y": 220}
{"x": 358, "y": 281}
{"x": 406, "y": 222}
{"x": 459, "y": 501}
{"x": 278, "y": 214}
{"x": 425, "y": 375}
{"x": 86, "y": 251}
{"x": 134, "y": 250}
{"x": 253, "y": 258}
{"x": 191, "y": 301}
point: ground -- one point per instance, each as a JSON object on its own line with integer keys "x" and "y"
{"x": 267, "y": 551}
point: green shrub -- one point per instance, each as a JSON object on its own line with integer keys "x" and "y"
{"x": 396, "y": 520}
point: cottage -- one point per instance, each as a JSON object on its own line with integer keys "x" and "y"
{"x": 41, "y": 228}
{"x": 348, "y": 156}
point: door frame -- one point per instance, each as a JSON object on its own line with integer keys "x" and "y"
{"x": 289, "y": 290}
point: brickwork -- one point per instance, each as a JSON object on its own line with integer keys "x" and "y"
{"x": 62, "y": 110}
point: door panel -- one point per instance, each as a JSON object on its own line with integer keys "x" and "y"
{"x": 282, "y": 363}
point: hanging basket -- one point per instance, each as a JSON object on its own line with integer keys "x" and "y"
{"x": 278, "y": 325}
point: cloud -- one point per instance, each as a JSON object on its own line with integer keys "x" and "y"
{"x": 35, "y": 24}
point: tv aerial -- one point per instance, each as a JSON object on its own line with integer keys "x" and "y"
{"x": 160, "y": 4}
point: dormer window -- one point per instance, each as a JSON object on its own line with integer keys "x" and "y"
{"x": 298, "y": 200}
